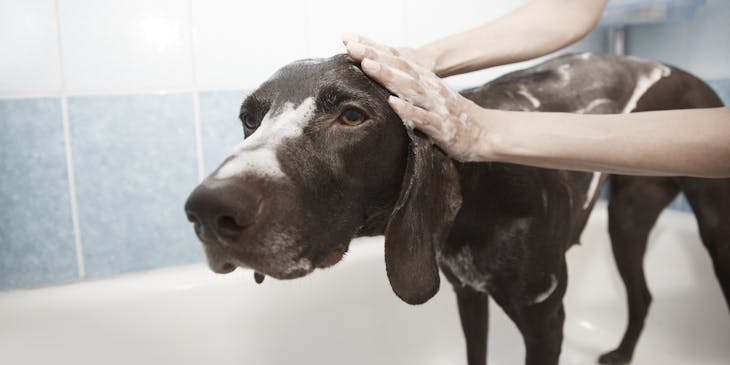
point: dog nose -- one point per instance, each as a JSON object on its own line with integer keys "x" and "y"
{"x": 221, "y": 211}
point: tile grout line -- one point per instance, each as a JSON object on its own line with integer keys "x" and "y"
{"x": 196, "y": 98}
{"x": 78, "y": 244}
{"x": 72, "y": 190}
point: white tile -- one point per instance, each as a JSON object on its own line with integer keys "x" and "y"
{"x": 239, "y": 44}
{"x": 381, "y": 20}
{"x": 125, "y": 45}
{"x": 593, "y": 42}
{"x": 428, "y": 20}
{"x": 29, "y": 47}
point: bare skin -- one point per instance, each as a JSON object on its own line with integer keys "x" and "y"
{"x": 530, "y": 31}
{"x": 664, "y": 143}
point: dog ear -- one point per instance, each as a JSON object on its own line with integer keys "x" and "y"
{"x": 429, "y": 199}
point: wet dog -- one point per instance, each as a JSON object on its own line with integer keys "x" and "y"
{"x": 325, "y": 160}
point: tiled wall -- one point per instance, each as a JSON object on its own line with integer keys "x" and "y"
{"x": 111, "y": 111}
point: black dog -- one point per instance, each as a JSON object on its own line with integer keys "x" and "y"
{"x": 325, "y": 160}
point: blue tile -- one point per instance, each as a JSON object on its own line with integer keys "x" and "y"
{"x": 220, "y": 128}
{"x": 684, "y": 204}
{"x": 36, "y": 231}
{"x": 707, "y": 47}
{"x": 135, "y": 163}
{"x": 676, "y": 204}
{"x": 605, "y": 191}
{"x": 698, "y": 45}
{"x": 661, "y": 42}
{"x": 722, "y": 88}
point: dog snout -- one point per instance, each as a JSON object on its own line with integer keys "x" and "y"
{"x": 222, "y": 212}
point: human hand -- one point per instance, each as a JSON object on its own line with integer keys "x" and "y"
{"x": 422, "y": 100}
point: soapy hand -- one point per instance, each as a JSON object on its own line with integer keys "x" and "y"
{"x": 423, "y": 100}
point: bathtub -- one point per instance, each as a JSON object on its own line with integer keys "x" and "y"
{"x": 349, "y": 315}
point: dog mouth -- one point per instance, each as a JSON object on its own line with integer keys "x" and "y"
{"x": 305, "y": 267}
{"x": 224, "y": 263}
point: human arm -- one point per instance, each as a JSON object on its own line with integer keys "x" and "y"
{"x": 535, "y": 29}
{"x": 694, "y": 142}
{"x": 689, "y": 142}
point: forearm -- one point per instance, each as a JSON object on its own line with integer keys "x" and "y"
{"x": 536, "y": 29}
{"x": 693, "y": 142}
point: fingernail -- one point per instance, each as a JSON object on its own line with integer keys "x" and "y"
{"x": 356, "y": 49}
{"x": 370, "y": 65}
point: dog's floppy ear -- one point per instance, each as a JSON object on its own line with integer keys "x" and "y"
{"x": 429, "y": 199}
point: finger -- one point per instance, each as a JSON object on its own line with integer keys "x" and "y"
{"x": 396, "y": 63}
{"x": 398, "y": 82}
{"x": 359, "y": 51}
{"x": 353, "y": 38}
{"x": 415, "y": 117}
{"x": 416, "y": 92}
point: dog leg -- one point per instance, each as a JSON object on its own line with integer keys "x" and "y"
{"x": 474, "y": 314}
{"x": 543, "y": 337}
{"x": 717, "y": 243}
{"x": 634, "y": 205}
{"x": 540, "y": 323}
{"x": 710, "y": 201}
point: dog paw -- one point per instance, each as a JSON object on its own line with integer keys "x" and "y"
{"x": 614, "y": 357}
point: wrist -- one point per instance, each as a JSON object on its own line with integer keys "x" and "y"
{"x": 450, "y": 56}
{"x": 491, "y": 135}
{"x": 436, "y": 57}
{"x": 426, "y": 56}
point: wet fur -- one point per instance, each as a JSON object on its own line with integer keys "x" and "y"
{"x": 516, "y": 243}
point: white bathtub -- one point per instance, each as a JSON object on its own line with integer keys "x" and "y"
{"x": 348, "y": 314}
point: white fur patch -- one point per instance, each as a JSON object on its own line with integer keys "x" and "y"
{"x": 592, "y": 189}
{"x": 643, "y": 83}
{"x": 593, "y": 105}
{"x": 546, "y": 294}
{"x": 309, "y": 61}
{"x": 302, "y": 265}
{"x": 531, "y": 98}
{"x": 257, "y": 153}
{"x": 462, "y": 266}
{"x": 564, "y": 71}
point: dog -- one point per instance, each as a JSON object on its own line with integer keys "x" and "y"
{"x": 325, "y": 160}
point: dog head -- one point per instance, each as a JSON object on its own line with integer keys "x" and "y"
{"x": 324, "y": 160}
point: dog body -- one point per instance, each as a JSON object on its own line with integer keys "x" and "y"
{"x": 325, "y": 160}
{"x": 516, "y": 222}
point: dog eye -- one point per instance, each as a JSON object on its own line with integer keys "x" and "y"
{"x": 250, "y": 121}
{"x": 352, "y": 116}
